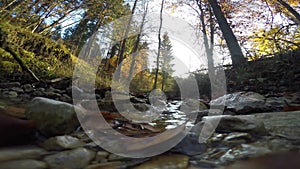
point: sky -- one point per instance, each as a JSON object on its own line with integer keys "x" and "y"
{"x": 186, "y": 59}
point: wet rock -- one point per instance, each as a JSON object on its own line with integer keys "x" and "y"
{"x": 190, "y": 105}
{"x": 10, "y": 85}
{"x": 229, "y": 124}
{"x": 174, "y": 161}
{"x": 65, "y": 98}
{"x": 200, "y": 115}
{"x": 10, "y": 94}
{"x": 277, "y": 103}
{"x": 23, "y": 164}
{"x": 114, "y": 157}
{"x": 52, "y": 95}
{"x": 80, "y": 135}
{"x": 137, "y": 100}
{"x": 38, "y": 93}
{"x": 217, "y": 137}
{"x": 2, "y": 107}
{"x": 141, "y": 106}
{"x": 117, "y": 96}
{"x": 281, "y": 144}
{"x": 243, "y": 103}
{"x": 73, "y": 159}
{"x": 92, "y": 146}
{"x": 101, "y": 156}
{"x": 237, "y": 136}
{"x": 17, "y": 89}
{"x": 296, "y": 97}
{"x": 21, "y": 152}
{"x": 203, "y": 164}
{"x": 74, "y": 90}
{"x": 104, "y": 105}
{"x": 283, "y": 124}
{"x": 51, "y": 89}
{"x": 28, "y": 88}
{"x": 190, "y": 146}
{"x": 106, "y": 165}
{"x": 62, "y": 142}
{"x": 244, "y": 151}
{"x": 53, "y": 117}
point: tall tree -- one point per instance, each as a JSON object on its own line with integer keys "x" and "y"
{"x": 166, "y": 59}
{"x": 291, "y": 10}
{"x": 96, "y": 13}
{"x": 209, "y": 45}
{"x": 137, "y": 42}
{"x": 159, "y": 44}
{"x": 123, "y": 43}
{"x": 237, "y": 56}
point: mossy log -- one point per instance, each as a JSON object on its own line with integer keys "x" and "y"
{"x": 21, "y": 63}
{"x": 5, "y": 45}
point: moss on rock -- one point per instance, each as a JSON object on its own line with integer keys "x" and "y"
{"x": 46, "y": 58}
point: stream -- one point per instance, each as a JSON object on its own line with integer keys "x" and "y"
{"x": 237, "y": 137}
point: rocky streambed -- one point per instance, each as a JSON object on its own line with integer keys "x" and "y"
{"x": 252, "y": 126}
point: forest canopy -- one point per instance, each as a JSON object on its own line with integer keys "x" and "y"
{"x": 234, "y": 30}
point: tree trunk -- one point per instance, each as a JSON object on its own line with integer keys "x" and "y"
{"x": 291, "y": 10}
{"x": 8, "y": 9}
{"x": 123, "y": 45}
{"x": 12, "y": 5}
{"x": 136, "y": 45}
{"x": 208, "y": 49}
{"x": 235, "y": 50}
{"x": 55, "y": 23}
{"x": 212, "y": 31}
{"x": 159, "y": 45}
{"x": 163, "y": 81}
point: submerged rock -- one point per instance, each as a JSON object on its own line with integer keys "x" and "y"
{"x": 28, "y": 88}
{"x": 190, "y": 145}
{"x": 190, "y": 105}
{"x": 174, "y": 161}
{"x": 23, "y": 164}
{"x": 106, "y": 165}
{"x": 21, "y": 152}
{"x": 17, "y": 89}
{"x": 244, "y": 151}
{"x": 10, "y": 84}
{"x": 10, "y": 94}
{"x": 270, "y": 161}
{"x": 101, "y": 156}
{"x": 72, "y": 159}
{"x": 62, "y": 142}
{"x": 231, "y": 137}
{"x": 52, "y": 117}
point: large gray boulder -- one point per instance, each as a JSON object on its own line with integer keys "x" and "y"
{"x": 243, "y": 103}
{"x": 229, "y": 124}
{"x": 53, "y": 117}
